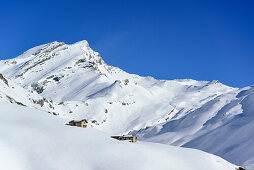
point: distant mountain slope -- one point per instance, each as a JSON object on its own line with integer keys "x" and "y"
{"x": 31, "y": 139}
{"x": 223, "y": 126}
{"x": 178, "y": 112}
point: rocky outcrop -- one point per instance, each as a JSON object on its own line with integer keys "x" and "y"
{"x": 4, "y": 79}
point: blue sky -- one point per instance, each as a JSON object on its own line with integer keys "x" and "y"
{"x": 202, "y": 40}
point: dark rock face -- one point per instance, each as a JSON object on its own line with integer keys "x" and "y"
{"x": 40, "y": 102}
{"x": 56, "y": 78}
{"x": 4, "y": 80}
{"x": 126, "y": 82}
{"x": 14, "y": 101}
{"x": 39, "y": 89}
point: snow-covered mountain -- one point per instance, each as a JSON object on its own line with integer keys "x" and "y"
{"x": 78, "y": 84}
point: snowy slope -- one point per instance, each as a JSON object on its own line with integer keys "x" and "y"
{"x": 178, "y": 112}
{"x": 13, "y": 93}
{"x": 223, "y": 126}
{"x": 31, "y": 139}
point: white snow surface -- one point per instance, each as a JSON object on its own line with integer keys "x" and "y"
{"x": 75, "y": 83}
{"x": 32, "y": 139}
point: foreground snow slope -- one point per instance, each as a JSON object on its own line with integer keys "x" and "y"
{"x": 32, "y": 139}
{"x": 198, "y": 114}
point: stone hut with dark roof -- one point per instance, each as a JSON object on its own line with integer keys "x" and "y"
{"x": 81, "y": 123}
{"x": 131, "y": 138}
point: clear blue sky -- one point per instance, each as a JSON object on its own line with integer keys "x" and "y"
{"x": 202, "y": 40}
